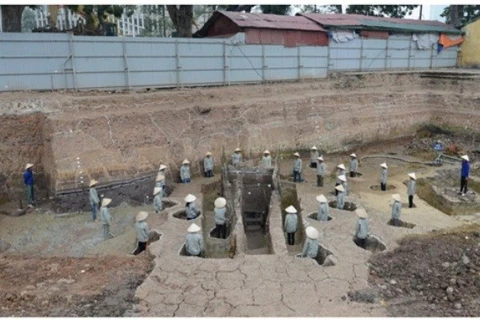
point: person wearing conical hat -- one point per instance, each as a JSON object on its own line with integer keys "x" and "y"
{"x": 142, "y": 231}
{"x": 361, "y": 231}
{"x": 185, "y": 171}
{"x": 194, "y": 244}
{"x": 343, "y": 182}
{"x": 340, "y": 196}
{"x": 157, "y": 199}
{"x": 208, "y": 165}
{"x": 191, "y": 210}
{"x": 94, "y": 199}
{"x": 396, "y": 209}
{"x": 220, "y": 217}
{"x": 313, "y": 157}
{"x": 28, "y": 180}
{"x": 297, "y": 168}
{"x": 353, "y": 165}
{"x": 411, "y": 188}
{"x": 106, "y": 218}
{"x": 321, "y": 169}
{"x": 383, "y": 177}
{"x": 161, "y": 169}
{"x": 341, "y": 172}
{"x": 266, "y": 159}
{"x": 237, "y": 157}
{"x": 323, "y": 208}
{"x": 310, "y": 247}
{"x": 291, "y": 223}
{"x": 160, "y": 182}
{"x": 464, "y": 175}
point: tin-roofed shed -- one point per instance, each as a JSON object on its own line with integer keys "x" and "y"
{"x": 289, "y": 31}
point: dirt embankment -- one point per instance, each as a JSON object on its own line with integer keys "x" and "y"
{"x": 69, "y": 287}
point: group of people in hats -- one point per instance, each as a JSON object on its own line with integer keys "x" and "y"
{"x": 310, "y": 246}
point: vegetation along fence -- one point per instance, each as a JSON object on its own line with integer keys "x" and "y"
{"x": 63, "y": 61}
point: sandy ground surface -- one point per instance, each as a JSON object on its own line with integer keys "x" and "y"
{"x": 42, "y": 268}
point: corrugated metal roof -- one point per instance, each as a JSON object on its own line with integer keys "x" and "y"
{"x": 271, "y": 21}
{"x": 392, "y": 24}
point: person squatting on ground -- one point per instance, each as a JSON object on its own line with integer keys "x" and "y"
{"x": 341, "y": 171}
{"x": 464, "y": 175}
{"x": 297, "y": 168}
{"x": 141, "y": 229}
{"x": 194, "y": 244}
{"x": 291, "y": 223}
{"x": 185, "y": 171}
{"x": 28, "y": 180}
{"x": 411, "y": 188}
{"x": 343, "y": 182}
{"x": 220, "y": 219}
{"x": 157, "y": 199}
{"x": 208, "y": 165}
{"x": 340, "y": 196}
{"x": 106, "y": 218}
{"x": 353, "y": 165}
{"x": 396, "y": 209}
{"x": 323, "y": 208}
{"x": 93, "y": 198}
{"x": 320, "y": 171}
{"x": 236, "y": 157}
{"x": 310, "y": 247}
{"x": 313, "y": 157}
{"x": 191, "y": 210}
{"x": 266, "y": 159}
{"x": 383, "y": 177}
{"x": 361, "y": 231}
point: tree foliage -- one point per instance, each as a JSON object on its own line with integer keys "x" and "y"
{"x": 320, "y": 9}
{"x": 382, "y": 10}
{"x": 275, "y": 9}
{"x": 457, "y": 15}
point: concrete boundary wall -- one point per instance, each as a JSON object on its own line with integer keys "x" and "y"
{"x": 67, "y": 62}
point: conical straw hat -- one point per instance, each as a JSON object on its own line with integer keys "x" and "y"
{"x": 142, "y": 215}
{"x": 296, "y": 154}
{"x": 465, "y": 157}
{"x": 340, "y": 188}
{"x": 220, "y": 202}
{"x": 29, "y": 165}
{"x": 208, "y": 153}
{"x": 162, "y": 167}
{"x": 353, "y": 155}
{"x": 314, "y": 148}
{"x": 311, "y": 232}
{"x": 266, "y": 152}
{"x": 93, "y": 182}
{"x": 291, "y": 209}
{"x": 342, "y": 178}
{"x": 384, "y": 165}
{"x": 156, "y": 190}
{"x": 412, "y": 175}
{"x": 238, "y": 150}
{"x": 190, "y": 198}
{"x": 321, "y": 198}
{"x": 106, "y": 202}
{"x": 396, "y": 197}
{"x": 185, "y": 161}
{"x": 361, "y": 213}
{"x": 320, "y": 158}
{"x": 194, "y": 228}
{"x": 341, "y": 166}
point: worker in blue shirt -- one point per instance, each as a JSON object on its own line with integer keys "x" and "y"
{"x": 464, "y": 175}
{"x": 28, "y": 179}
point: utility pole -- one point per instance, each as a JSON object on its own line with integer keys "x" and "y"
{"x": 421, "y": 9}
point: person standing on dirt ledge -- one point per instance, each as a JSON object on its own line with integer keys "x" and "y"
{"x": 291, "y": 223}
{"x": 341, "y": 171}
{"x": 383, "y": 177}
{"x": 194, "y": 244}
{"x": 353, "y": 165}
{"x": 185, "y": 171}
{"x": 323, "y": 209}
{"x": 340, "y": 196}
{"x": 161, "y": 182}
{"x": 313, "y": 157}
{"x": 411, "y": 188}
{"x": 396, "y": 209}
{"x": 464, "y": 175}
{"x": 94, "y": 200}
{"x": 267, "y": 159}
{"x": 361, "y": 232}
{"x": 141, "y": 229}
{"x": 310, "y": 247}
{"x": 236, "y": 157}
{"x": 320, "y": 171}
{"x": 208, "y": 165}
{"x": 191, "y": 210}
{"x": 106, "y": 218}
{"x": 157, "y": 199}
{"x": 220, "y": 211}
{"x": 297, "y": 168}
{"x": 28, "y": 180}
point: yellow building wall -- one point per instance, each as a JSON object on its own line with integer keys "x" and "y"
{"x": 469, "y": 56}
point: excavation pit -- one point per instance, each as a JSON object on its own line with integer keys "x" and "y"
{"x": 373, "y": 244}
{"x": 215, "y": 233}
{"x": 377, "y": 187}
{"x": 313, "y": 216}
{"x": 349, "y": 206}
{"x": 168, "y": 204}
{"x": 325, "y": 257}
{"x": 154, "y": 236}
{"x": 402, "y": 224}
{"x": 182, "y": 216}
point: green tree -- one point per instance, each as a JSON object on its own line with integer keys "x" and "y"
{"x": 458, "y": 15}
{"x": 382, "y": 10}
{"x": 320, "y": 9}
{"x": 276, "y": 9}
{"x": 157, "y": 22}
{"x": 182, "y": 18}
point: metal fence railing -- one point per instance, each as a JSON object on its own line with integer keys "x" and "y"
{"x": 44, "y": 61}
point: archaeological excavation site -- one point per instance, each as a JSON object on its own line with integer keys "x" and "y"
{"x": 54, "y": 260}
